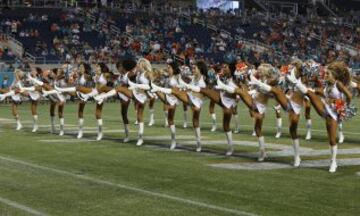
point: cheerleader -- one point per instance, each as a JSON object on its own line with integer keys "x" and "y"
{"x": 34, "y": 97}
{"x": 277, "y": 109}
{"x": 169, "y": 100}
{"x": 185, "y": 113}
{"x": 191, "y": 96}
{"x": 126, "y": 69}
{"x": 101, "y": 79}
{"x": 312, "y": 79}
{"x": 84, "y": 79}
{"x": 335, "y": 105}
{"x": 56, "y": 78}
{"x": 292, "y": 103}
{"x": 15, "y": 95}
{"x": 241, "y": 80}
{"x": 211, "y": 82}
{"x": 256, "y": 100}
{"x": 225, "y": 100}
{"x": 136, "y": 90}
{"x": 152, "y": 99}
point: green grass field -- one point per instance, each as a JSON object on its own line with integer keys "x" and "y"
{"x": 44, "y": 174}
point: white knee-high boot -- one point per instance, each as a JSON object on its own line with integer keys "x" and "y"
{"x": 278, "y": 127}
{"x": 126, "y": 130}
{"x": 341, "y": 133}
{"x": 18, "y": 123}
{"x": 213, "y": 122}
{"x": 81, "y": 128}
{"x": 52, "y": 124}
{"x": 237, "y": 126}
{"x": 333, "y": 164}
{"x": 198, "y": 139}
{"x": 308, "y": 129}
{"x": 140, "y": 134}
{"x": 62, "y": 122}
{"x": 296, "y": 146}
{"x": 166, "y": 113}
{"x": 173, "y": 136}
{"x": 100, "y": 129}
{"x": 151, "y": 121}
{"x": 35, "y": 123}
{"x": 230, "y": 143}
{"x": 262, "y": 154}
{"x": 185, "y": 119}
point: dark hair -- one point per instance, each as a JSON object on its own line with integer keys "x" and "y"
{"x": 87, "y": 68}
{"x": 217, "y": 68}
{"x": 129, "y": 64}
{"x": 104, "y": 68}
{"x": 55, "y": 71}
{"x": 175, "y": 67}
{"x": 202, "y": 67}
{"x": 39, "y": 71}
{"x": 232, "y": 67}
{"x": 256, "y": 64}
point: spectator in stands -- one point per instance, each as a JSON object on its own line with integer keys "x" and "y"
{"x": 5, "y": 83}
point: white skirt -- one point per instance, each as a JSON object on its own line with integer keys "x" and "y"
{"x": 123, "y": 97}
{"x": 171, "y": 99}
{"x": 226, "y": 101}
{"x": 330, "y": 110}
{"x": 16, "y": 98}
{"x": 140, "y": 96}
{"x": 295, "y": 107}
{"x": 197, "y": 102}
{"x": 57, "y": 97}
{"x": 261, "y": 108}
{"x": 34, "y": 95}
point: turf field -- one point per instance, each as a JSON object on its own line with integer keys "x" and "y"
{"x": 44, "y": 174}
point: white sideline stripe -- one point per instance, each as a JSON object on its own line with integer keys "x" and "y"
{"x": 189, "y": 123}
{"x": 130, "y": 188}
{"x": 66, "y": 140}
{"x": 272, "y": 165}
{"x": 22, "y": 207}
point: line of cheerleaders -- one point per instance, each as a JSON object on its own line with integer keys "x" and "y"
{"x": 299, "y": 84}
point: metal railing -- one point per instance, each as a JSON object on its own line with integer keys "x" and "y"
{"x": 36, "y": 3}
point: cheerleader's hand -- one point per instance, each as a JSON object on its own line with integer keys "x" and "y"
{"x": 2, "y": 97}
{"x": 182, "y": 84}
{"x": 291, "y": 77}
{"x": 253, "y": 81}
{"x": 131, "y": 85}
{"x": 154, "y": 88}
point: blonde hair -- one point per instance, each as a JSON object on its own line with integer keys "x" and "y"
{"x": 19, "y": 73}
{"x": 340, "y": 72}
{"x": 297, "y": 63}
{"x": 144, "y": 65}
{"x": 156, "y": 74}
{"x": 267, "y": 70}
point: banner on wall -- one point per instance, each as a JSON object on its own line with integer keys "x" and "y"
{"x": 221, "y": 4}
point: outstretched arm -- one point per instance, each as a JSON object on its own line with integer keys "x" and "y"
{"x": 346, "y": 91}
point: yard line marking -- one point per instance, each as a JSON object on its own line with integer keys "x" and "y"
{"x": 272, "y": 166}
{"x": 129, "y": 188}
{"x": 22, "y": 207}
